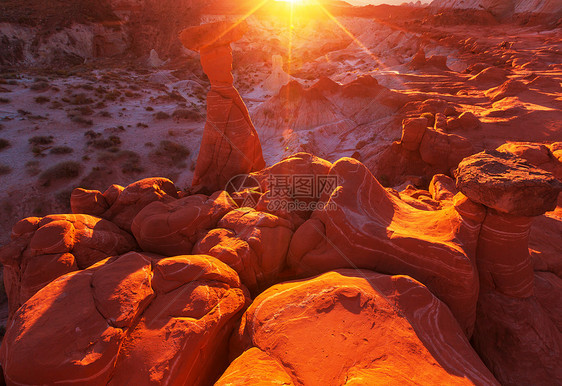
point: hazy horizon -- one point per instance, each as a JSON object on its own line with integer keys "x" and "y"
{"x": 377, "y": 2}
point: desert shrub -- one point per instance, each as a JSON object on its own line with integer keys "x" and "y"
{"x": 4, "y": 100}
{"x": 42, "y": 99}
{"x": 128, "y": 161}
{"x": 149, "y": 108}
{"x": 4, "y": 144}
{"x": 106, "y": 143}
{"x": 84, "y": 110}
{"x": 172, "y": 150}
{"x": 63, "y": 171}
{"x": 91, "y": 134}
{"x": 81, "y": 120}
{"x": 55, "y": 105}
{"x": 5, "y": 169}
{"x": 187, "y": 114}
{"x": 131, "y": 162}
{"x": 161, "y": 115}
{"x": 61, "y": 150}
{"x": 80, "y": 99}
{"x": 41, "y": 140}
{"x": 142, "y": 125}
{"x": 39, "y": 86}
{"x": 112, "y": 95}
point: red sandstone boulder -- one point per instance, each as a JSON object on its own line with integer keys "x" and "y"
{"x": 212, "y": 34}
{"x": 489, "y": 76}
{"x": 43, "y": 249}
{"x": 443, "y": 150}
{"x": 510, "y": 88}
{"x": 172, "y": 228}
{"x": 293, "y": 186}
{"x": 352, "y": 327}
{"x": 230, "y": 145}
{"x": 363, "y": 226}
{"x": 253, "y": 243}
{"x": 536, "y": 154}
{"x": 443, "y": 188}
{"x": 120, "y": 205}
{"x": 134, "y": 319}
{"x": 417, "y": 198}
{"x": 464, "y": 122}
{"x": 515, "y": 333}
{"x": 507, "y": 184}
{"x": 253, "y": 367}
{"x": 413, "y": 130}
{"x": 517, "y": 340}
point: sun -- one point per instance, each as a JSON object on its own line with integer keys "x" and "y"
{"x": 294, "y": 2}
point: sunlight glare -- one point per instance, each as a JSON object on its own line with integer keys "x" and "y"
{"x": 294, "y": 2}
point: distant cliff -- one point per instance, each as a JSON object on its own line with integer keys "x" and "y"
{"x": 503, "y": 7}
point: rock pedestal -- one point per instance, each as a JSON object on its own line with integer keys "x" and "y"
{"x": 230, "y": 144}
{"x": 515, "y": 335}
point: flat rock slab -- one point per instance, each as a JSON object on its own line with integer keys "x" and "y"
{"x": 507, "y": 184}
{"x": 212, "y": 34}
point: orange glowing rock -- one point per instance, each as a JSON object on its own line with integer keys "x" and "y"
{"x": 43, "y": 249}
{"x": 516, "y": 332}
{"x": 413, "y": 130}
{"x": 120, "y": 205}
{"x": 172, "y": 228}
{"x": 372, "y": 229}
{"x": 230, "y": 144}
{"x": 253, "y": 243}
{"x": 208, "y": 35}
{"x": 508, "y": 184}
{"x": 353, "y": 327}
{"x": 134, "y": 319}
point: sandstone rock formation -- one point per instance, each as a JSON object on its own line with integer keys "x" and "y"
{"x": 507, "y": 184}
{"x": 371, "y": 229}
{"x": 120, "y": 205}
{"x": 172, "y": 228}
{"x": 136, "y": 319}
{"x": 291, "y": 331}
{"x": 230, "y": 144}
{"x": 85, "y": 307}
{"x": 42, "y": 249}
{"x": 253, "y": 243}
{"x": 515, "y": 336}
{"x": 278, "y": 77}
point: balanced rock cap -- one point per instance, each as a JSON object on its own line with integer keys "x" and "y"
{"x": 213, "y": 34}
{"x": 508, "y": 184}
